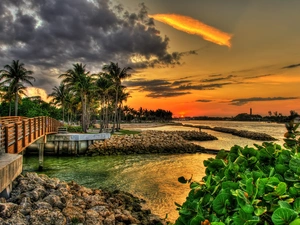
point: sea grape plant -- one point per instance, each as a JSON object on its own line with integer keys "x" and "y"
{"x": 247, "y": 185}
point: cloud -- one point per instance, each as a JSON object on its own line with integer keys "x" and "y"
{"x": 291, "y": 66}
{"x": 48, "y": 35}
{"x": 243, "y": 101}
{"x": 203, "y": 100}
{"x": 193, "y": 26}
{"x": 159, "y": 88}
{"x": 218, "y": 79}
{"x": 259, "y": 76}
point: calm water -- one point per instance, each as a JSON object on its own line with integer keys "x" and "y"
{"x": 151, "y": 177}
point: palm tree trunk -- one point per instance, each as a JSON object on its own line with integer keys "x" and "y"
{"x": 116, "y": 110}
{"x": 84, "y": 127}
{"x": 9, "y": 112}
{"x": 16, "y": 104}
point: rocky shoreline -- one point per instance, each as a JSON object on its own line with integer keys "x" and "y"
{"x": 151, "y": 142}
{"x": 241, "y": 133}
{"x": 38, "y": 199}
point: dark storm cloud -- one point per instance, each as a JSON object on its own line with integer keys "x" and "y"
{"x": 58, "y": 33}
{"x": 162, "y": 88}
{"x": 217, "y": 79}
{"x": 291, "y": 66}
{"x": 203, "y": 100}
{"x": 243, "y": 101}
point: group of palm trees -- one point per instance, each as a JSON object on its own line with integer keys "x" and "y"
{"x": 13, "y": 79}
{"x": 82, "y": 95}
{"x": 79, "y": 90}
{"x": 103, "y": 91}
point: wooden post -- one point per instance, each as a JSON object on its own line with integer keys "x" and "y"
{"x": 41, "y": 153}
{"x": 16, "y": 137}
{"x": 39, "y": 126}
{"x": 24, "y": 133}
{"x": 30, "y": 130}
{"x": 6, "y": 139}
{"x": 34, "y": 123}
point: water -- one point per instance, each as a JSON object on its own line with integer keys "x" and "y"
{"x": 150, "y": 177}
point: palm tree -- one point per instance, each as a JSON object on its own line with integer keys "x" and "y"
{"x": 103, "y": 87}
{"x": 81, "y": 83}
{"x": 117, "y": 75}
{"x": 59, "y": 95}
{"x": 16, "y": 75}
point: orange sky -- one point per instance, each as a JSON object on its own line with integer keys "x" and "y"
{"x": 260, "y": 71}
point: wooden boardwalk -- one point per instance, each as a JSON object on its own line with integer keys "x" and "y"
{"x": 16, "y": 133}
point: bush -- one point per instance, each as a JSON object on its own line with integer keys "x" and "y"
{"x": 74, "y": 129}
{"x": 247, "y": 185}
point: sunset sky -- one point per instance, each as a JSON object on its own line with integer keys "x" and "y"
{"x": 194, "y": 57}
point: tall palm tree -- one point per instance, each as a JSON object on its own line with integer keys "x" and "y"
{"x": 81, "y": 83}
{"x": 59, "y": 95}
{"x": 16, "y": 75}
{"x": 103, "y": 87}
{"x": 117, "y": 75}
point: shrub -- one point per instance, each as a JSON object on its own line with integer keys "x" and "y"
{"x": 247, "y": 185}
{"x": 74, "y": 129}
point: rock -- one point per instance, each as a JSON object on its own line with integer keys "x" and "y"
{"x": 148, "y": 142}
{"x": 70, "y": 203}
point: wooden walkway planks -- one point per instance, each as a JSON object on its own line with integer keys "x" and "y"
{"x": 16, "y": 133}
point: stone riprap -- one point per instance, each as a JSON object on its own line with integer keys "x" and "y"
{"x": 241, "y": 133}
{"x": 38, "y": 199}
{"x": 150, "y": 142}
{"x": 246, "y": 134}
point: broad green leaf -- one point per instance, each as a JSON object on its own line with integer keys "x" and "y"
{"x": 220, "y": 203}
{"x": 217, "y": 223}
{"x": 296, "y": 205}
{"x": 295, "y": 222}
{"x": 185, "y": 212}
{"x": 197, "y": 220}
{"x": 222, "y": 154}
{"x": 194, "y": 185}
{"x": 230, "y": 185}
{"x": 259, "y": 210}
{"x": 295, "y": 165}
{"x": 282, "y": 216}
{"x": 290, "y": 176}
{"x": 249, "y": 186}
{"x": 281, "y": 188}
{"x": 284, "y": 204}
{"x": 281, "y": 168}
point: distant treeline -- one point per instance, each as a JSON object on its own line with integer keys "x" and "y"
{"x": 272, "y": 117}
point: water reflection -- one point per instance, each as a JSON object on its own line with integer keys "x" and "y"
{"x": 150, "y": 177}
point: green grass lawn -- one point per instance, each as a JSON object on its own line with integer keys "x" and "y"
{"x": 124, "y": 132}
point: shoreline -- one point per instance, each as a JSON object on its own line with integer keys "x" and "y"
{"x": 38, "y": 199}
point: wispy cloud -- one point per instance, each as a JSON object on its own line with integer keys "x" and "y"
{"x": 291, "y": 66}
{"x": 217, "y": 79}
{"x": 159, "y": 88}
{"x": 193, "y": 26}
{"x": 243, "y": 101}
{"x": 203, "y": 100}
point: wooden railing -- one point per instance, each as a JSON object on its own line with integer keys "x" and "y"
{"x": 16, "y": 133}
